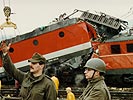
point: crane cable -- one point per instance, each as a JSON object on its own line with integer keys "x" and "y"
{"x": 4, "y": 3}
{"x": 129, "y": 13}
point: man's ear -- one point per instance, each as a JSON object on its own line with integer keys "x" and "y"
{"x": 43, "y": 66}
{"x": 97, "y": 73}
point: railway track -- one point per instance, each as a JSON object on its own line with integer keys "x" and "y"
{"x": 120, "y": 95}
{"x": 116, "y": 94}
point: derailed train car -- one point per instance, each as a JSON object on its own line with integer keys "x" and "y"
{"x": 69, "y": 43}
{"x": 117, "y": 53}
{"x": 60, "y": 42}
{"x": 115, "y": 48}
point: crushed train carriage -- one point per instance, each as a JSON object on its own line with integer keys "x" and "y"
{"x": 60, "y": 42}
{"x": 68, "y": 43}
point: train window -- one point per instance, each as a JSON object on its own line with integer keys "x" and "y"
{"x": 115, "y": 49}
{"x": 105, "y": 20}
{"x": 61, "y": 34}
{"x": 35, "y": 42}
{"x": 11, "y": 50}
{"x": 129, "y": 47}
{"x": 95, "y": 17}
{"x": 90, "y": 15}
{"x": 111, "y": 21}
{"x": 84, "y": 14}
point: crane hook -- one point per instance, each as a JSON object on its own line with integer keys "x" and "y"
{"x": 7, "y": 11}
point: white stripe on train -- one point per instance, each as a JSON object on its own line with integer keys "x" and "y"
{"x": 55, "y": 54}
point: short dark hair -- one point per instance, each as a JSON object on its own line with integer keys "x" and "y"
{"x": 102, "y": 73}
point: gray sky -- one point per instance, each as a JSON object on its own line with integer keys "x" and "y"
{"x": 30, "y": 14}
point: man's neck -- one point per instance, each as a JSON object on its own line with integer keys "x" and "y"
{"x": 37, "y": 74}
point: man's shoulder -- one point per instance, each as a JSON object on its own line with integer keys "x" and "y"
{"x": 47, "y": 77}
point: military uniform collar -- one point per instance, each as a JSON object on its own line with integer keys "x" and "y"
{"x": 36, "y": 78}
{"x": 96, "y": 79}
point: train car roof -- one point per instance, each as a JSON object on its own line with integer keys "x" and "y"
{"x": 44, "y": 29}
{"x": 119, "y": 38}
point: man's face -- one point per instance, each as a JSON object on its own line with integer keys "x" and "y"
{"x": 35, "y": 67}
{"x": 88, "y": 73}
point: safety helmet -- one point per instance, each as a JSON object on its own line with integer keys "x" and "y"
{"x": 96, "y": 64}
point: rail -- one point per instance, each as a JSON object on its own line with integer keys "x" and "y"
{"x": 115, "y": 95}
{"x": 121, "y": 95}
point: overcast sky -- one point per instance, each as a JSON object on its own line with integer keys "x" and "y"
{"x": 30, "y": 14}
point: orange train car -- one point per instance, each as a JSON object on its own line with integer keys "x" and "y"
{"x": 58, "y": 42}
{"x": 68, "y": 44}
{"x": 117, "y": 53}
{"x": 114, "y": 46}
